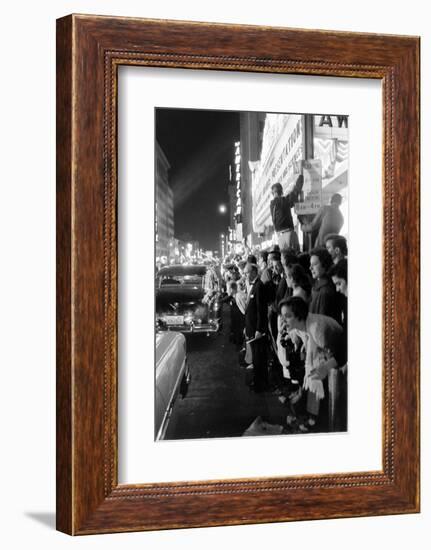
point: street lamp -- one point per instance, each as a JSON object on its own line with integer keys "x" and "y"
{"x": 222, "y": 208}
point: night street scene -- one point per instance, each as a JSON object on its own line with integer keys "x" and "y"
{"x": 251, "y": 243}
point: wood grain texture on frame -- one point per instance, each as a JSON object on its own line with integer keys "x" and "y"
{"x": 89, "y": 51}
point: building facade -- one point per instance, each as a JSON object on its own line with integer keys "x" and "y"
{"x": 164, "y": 208}
{"x": 252, "y": 125}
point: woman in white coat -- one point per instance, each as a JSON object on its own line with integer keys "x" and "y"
{"x": 324, "y": 345}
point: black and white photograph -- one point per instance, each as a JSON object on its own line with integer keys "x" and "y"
{"x": 214, "y": 239}
{"x": 251, "y": 248}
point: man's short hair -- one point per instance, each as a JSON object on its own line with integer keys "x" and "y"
{"x": 298, "y": 306}
{"x": 339, "y": 270}
{"x": 323, "y": 255}
{"x": 289, "y": 257}
{"x": 275, "y": 253}
{"x": 338, "y": 241}
{"x": 336, "y": 199}
{"x": 278, "y": 188}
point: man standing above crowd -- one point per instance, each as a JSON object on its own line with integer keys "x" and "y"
{"x": 281, "y": 214}
{"x": 328, "y": 219}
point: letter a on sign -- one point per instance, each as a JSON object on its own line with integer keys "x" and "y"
{"x": 325, "y": 120}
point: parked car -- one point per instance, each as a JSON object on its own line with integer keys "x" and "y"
{"x": 182, "y": 303}
{"x": 172, "y": 377}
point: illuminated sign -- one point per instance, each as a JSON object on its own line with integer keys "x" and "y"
{"x": 238, "y": 211}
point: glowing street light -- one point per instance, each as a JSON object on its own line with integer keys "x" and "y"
{"x": 222, "y": 209}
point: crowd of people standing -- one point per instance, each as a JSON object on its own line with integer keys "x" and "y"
{"x": 289, "y": 317}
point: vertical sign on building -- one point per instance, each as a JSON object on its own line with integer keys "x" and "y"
{"x": 238, "y": 211}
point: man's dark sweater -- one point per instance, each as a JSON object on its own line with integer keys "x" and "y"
{"x": 280, "y": 207}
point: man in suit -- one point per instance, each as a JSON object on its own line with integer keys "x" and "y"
{"x": 256, "y": 326}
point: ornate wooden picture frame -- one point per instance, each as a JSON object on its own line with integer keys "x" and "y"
{"x": 89, "y": 51}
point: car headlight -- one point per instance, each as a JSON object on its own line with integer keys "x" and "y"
{"x": 188, "y": 319}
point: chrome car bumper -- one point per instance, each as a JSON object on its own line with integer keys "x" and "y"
{"x": 191, "y": 328}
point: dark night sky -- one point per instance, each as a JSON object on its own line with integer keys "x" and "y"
{"x": 199, "y": 146}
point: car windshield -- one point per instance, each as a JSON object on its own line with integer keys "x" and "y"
{"x": 173, "y": 280}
